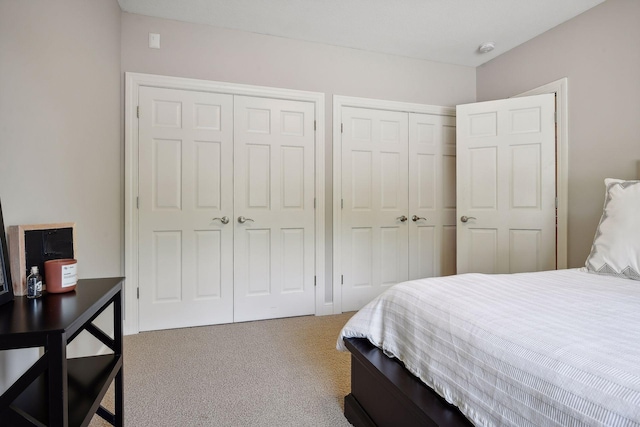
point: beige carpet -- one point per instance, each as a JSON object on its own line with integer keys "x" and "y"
{"x": 282, "y": 372}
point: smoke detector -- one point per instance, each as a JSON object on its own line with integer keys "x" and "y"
{"x": 486, "y": 47}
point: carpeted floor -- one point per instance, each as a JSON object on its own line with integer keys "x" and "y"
{"x": 282, "y": 372}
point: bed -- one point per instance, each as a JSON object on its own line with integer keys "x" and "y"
{"x": 554, "y": 348}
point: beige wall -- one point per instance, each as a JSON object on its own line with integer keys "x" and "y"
{"x": 599, "y": 52}
{"x": 211, "y": 53}
{"x": 60, "y": 150}
{"x": 60, "y": 123}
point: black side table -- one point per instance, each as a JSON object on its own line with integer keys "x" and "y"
{"x": 56, "y": 391}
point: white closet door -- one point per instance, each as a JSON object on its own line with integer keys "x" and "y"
{"x": 375, "y": 203}
{"x": 185, "y": 182}
{"x": 274, "y": 208}
{"x": 506, "y": 185}
{"x": 432, "y": 196}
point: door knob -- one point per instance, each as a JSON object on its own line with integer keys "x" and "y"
{"x": 223, "y": 220}
{"x": 402, "y": 218}
{"x": 242, "y": 219}
{"x": 417, "y": 218}
{"x": 465, "y": 218}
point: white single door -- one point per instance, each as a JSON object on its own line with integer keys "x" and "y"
{"x": 274, "y": 208}
{"x": 374, "y": 203}
{"x": 432, "y": 195}
{"x": 506, "y": 185}
{"x": 185, "y": 191}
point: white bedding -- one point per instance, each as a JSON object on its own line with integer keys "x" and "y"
{"x": 532, "y": 349}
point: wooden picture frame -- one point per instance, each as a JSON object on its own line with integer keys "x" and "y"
{"x": 20, "y": 258}
{"x": 6, "y": 285}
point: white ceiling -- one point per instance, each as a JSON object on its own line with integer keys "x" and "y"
{"x": 448, "y": 31}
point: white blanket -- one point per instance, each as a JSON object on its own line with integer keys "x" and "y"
{"x": 556, "y": 348}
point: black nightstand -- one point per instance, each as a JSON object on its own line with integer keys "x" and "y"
{"x": 57, "y": 391}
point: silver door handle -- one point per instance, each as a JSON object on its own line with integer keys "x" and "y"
{"x": 223, "y": 220}
{"x": 242, "y": 219}
{"x": 402, "y": 218}
{"x": 465, "y": 218}
{"x": 417, "y": 218}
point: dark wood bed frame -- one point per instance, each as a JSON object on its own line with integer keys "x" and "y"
{"x": 384, "y": 393}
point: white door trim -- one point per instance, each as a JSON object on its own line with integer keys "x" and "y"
{"x": 560, "y": 88}
{"x": 338, "y": 103}
{"x": 133, "y": 81}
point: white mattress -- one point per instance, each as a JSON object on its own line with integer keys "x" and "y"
{"x": 556, "y": 348}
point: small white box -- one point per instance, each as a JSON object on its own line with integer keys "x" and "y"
{"x": 154, "y": 41}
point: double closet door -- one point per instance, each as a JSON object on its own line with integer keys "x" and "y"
{"x": 226, "y": 208}
{"x": 398, "y": 200}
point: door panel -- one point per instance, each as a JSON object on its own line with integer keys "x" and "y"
{"x": 167, "y": 271}
{"x": 274, "y": 145}
{"x": 506, "y": 185}
{"x": 208, "y": 165}
{"x": 483, "y": 250}
{"x": 426, "y": 250}
{"x": 293, "y": 251}
{"x": 258, "y": 260}
{"x": 449, "y": 250}
{"x": 208, "y": 268}
{"x": 185, "y": 170}
{"x": 375, "y": 195}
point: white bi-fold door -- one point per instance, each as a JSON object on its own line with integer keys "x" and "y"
{"x": 398, "y": 200}
{"x": 507, "y": 185}
{"x": 226, "y": 217}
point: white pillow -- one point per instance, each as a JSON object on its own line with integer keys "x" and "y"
{"x": 616, "y": 246}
